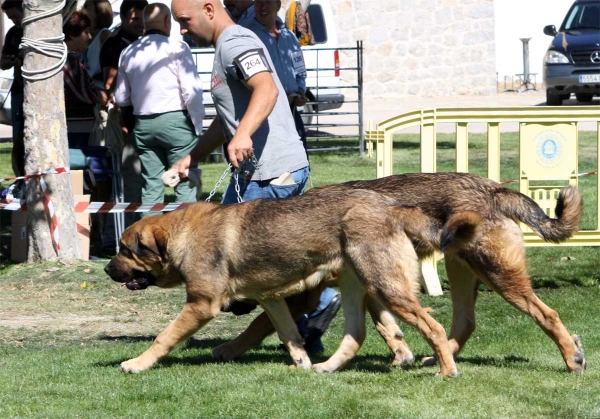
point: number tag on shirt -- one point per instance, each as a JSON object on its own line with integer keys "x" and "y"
{"x": 252, "y": 62}
{"x": 298, "y": 61}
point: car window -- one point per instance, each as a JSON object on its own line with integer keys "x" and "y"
{"x": 317, "y": 23}
{"x": 584, "y": 16}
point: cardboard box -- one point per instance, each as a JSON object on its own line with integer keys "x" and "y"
{"x": 19, "y": 243}
{"x": 77, "y": 182}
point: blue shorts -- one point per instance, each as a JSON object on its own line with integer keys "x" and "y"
{"x": 265, "y": 189}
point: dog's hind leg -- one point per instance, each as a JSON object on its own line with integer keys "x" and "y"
{"x": 390, "y": 332}
{"x": 505, "y": 271}
{"x": 286, "y": 328}
{"x": 193, "y": 316}
{"x": 353, "y": 302}
{"x": 261, "y": 326}
{"x": 464, "y": 286}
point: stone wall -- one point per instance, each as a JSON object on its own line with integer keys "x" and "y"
{"x": 420, "y": 47}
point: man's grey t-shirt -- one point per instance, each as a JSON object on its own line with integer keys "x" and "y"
{"x": 239, "y": 55}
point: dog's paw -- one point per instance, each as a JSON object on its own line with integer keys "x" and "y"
{"x": 429, "y": 361}
{"x": 226, "y": 352}
{"x": 323, "y": 368}
{"x": 134, "y": 366}
{"x": 578, "y": 358}
{"x": 402, "y": 359}
{"x": 451, "y": 374}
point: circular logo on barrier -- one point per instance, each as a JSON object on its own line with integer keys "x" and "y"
{"x": 549, "y": 146}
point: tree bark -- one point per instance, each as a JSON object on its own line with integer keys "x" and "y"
{"x": 46, "y": 145}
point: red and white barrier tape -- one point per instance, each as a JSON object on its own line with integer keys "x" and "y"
{"x": 102, "y": 207}
{"x": 56, "y": 171}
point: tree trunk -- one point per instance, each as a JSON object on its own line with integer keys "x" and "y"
{"x": 46, "y": 145}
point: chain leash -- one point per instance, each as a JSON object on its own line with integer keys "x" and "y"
{"x": 223, "y": 176}
{"x": 236, "y": 176}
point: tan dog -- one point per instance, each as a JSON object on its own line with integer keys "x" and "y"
{"x": 267, "y": 250}
{"x": 475, "y": 223}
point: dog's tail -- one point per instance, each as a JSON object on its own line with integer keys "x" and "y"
{"x": 569, "y": 210}
{"x": 459, "y": 228}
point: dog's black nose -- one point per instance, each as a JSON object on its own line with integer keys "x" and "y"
{"x": 106, "y": 269}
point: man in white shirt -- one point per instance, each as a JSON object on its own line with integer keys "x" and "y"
{"x": 158, "y": 77}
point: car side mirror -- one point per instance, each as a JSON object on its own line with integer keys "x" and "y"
{"x": 550, "y": 30}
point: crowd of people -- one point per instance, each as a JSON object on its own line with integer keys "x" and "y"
{"x": 150, "y": 82}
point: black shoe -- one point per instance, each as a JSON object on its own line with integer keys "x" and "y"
{"x": 239, "y": 308}
{"x": 316, "y": 326}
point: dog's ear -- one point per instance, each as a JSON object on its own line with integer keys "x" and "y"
{"x": 153, "y": 241}
{"x": 156, "y": 242}
{"x": 161, "y": 238}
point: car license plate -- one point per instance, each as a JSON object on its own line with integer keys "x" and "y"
{"x": 589, "y": 78}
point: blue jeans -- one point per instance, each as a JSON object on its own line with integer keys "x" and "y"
{"x": 255, "y": 189}
{"x": 325, "y": 299}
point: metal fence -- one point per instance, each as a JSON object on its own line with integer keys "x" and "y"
{"x": 324, "y": 118}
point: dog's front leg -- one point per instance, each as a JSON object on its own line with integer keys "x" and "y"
{"x": 286, "y": 328}
{"x": 194, "y": 315}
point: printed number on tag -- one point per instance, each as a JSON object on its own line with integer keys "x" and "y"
{"x": 298, "y": 62}
{"x": 252, "y": 62}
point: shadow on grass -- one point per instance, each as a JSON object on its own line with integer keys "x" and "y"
{"x": 269, "y": 354}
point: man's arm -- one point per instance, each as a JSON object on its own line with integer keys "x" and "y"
{"x": 110, "y": 78}
{"x": 264, "y": 95}
{"x": 122, "y": 89}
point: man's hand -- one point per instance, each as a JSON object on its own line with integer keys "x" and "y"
{"x": 300, "y": 98}
{"x": 183, "y": 165}
{"x": 239, "y": 149}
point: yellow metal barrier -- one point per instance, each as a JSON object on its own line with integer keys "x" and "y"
{"x": 550, "y": 133}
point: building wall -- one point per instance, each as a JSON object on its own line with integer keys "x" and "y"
{"x": 421, "y": 47}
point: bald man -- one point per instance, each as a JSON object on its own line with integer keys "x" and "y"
{"x": 254, "y": 117}
{"x": 158, "y": 77}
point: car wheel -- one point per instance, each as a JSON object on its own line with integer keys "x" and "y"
{"x": 584, "y": 97}
{"x": 553, "y": 100}
{"x": 308, "y": 110}
{"x": 306, "y": 114}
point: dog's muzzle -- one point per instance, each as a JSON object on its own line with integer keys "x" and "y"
{"x": 138, "y": 280}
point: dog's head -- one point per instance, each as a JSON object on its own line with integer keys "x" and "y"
{"x": 143, "y": 259}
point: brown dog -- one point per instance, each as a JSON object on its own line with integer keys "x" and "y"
{"x": 475, "y": 223}
{"x": 267, "y": 250}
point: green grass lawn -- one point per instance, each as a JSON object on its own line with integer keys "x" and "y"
{"x": 64, "y": 329}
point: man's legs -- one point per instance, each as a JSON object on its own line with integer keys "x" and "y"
{"x": 312, "y": 325}
{"x": 153, "y": 158}
{"x": 179, "y": 138}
